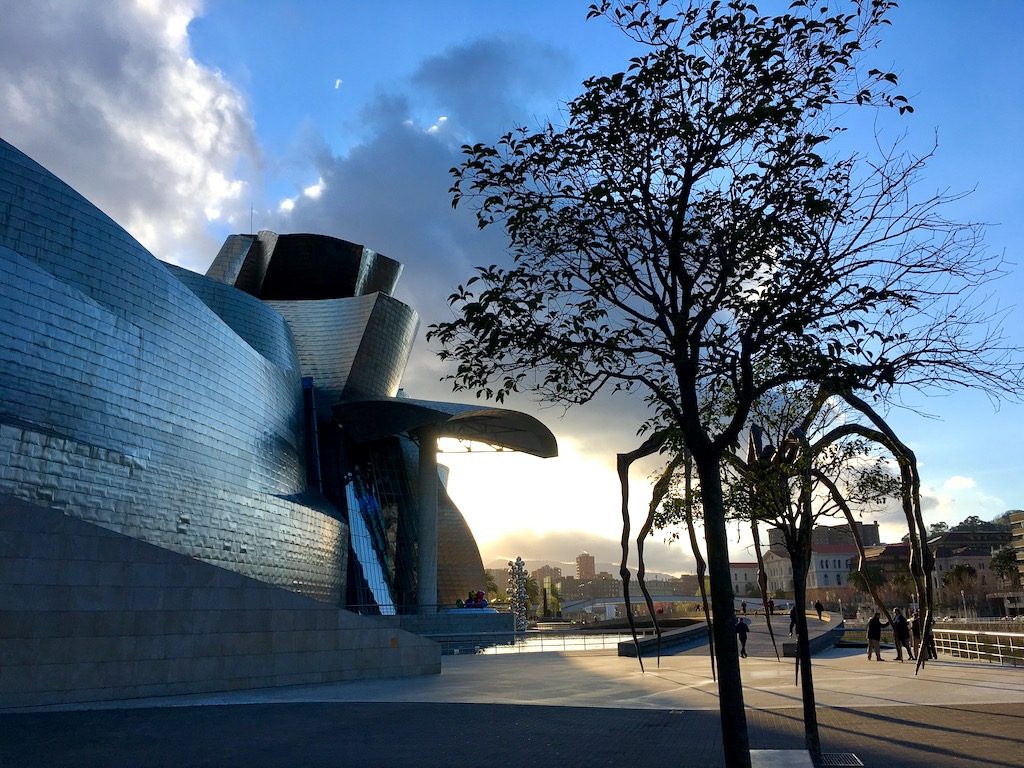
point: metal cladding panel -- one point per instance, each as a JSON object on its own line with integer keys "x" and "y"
{"x": 384, "y": 350}
{"x": 254, "y": 321}
{"x": 228, "y": 262}
{"x": 126, "y": 401}
{"x": 327, "y": 337}
{"x": 359, "y": 345}
{"x": 377, "y": 274}
{"x": 305, "y": 267}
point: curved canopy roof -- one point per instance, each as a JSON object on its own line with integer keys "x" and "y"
{"x": 376, "y": 418}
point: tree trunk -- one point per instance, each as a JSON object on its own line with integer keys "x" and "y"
{"x": 800, "y": 566}
{"x": 735, "y": 743}
{"x": 697, "y": 556}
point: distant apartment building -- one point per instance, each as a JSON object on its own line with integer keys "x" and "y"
{"x": 570, "y": 588}
{"x": 779, "y": 571}
{"x": 892, "y": 560}
{"x": 830, "y": 565}
{"x": 547, "y": 575}
{"x": 828, "y": 572}
{"x": 978, "y": 558}
{"x": 547, "y": 571}
{"x": 830, "y": 535}
{"x": 604, "y": 585}
{"x": 684, "y": 585}
{"x": 992, "y": 536}
{"x": 585, "y": 567}
{"x": 744, "y": 579}
{"x": 1017, "y": 533}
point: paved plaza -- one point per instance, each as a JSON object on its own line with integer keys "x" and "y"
{"x": 585, "y": 709}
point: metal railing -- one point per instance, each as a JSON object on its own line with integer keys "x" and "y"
{"x": 994, "y": 647}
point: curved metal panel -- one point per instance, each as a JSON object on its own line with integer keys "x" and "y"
{"x": 358, "y": 345}
{"x": 304, "y": 267}
{"x": 127, "y": 402}
{"x": 369, "y": 419}
{"x": 256, "y": 322}
{"x": 228, "y": 262}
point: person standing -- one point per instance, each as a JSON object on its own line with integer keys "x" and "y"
{"x": 901, "y": 634}
{"x": 819, "y": 608}
{"x": 875, "y": 625}
{"x": 743, "y": 607}
{"x": 792, "y": 619}
{"x": 771, "y": 606}
{"x": 742, "y": 630}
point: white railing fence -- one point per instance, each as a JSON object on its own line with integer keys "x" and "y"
{"x": 994, "y": 647}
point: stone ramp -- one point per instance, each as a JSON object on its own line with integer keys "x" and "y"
{"x": 823, "y": 635}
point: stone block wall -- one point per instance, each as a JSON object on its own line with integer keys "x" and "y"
{"x": 87, "y": 614}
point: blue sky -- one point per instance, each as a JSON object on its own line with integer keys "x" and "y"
{"x": 181, "y": 119}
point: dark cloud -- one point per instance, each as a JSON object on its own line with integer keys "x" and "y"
{"x": 489, "y": 86}
{"x": 390, "y": 193}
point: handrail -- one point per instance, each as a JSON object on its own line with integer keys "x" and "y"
{"x": 1001, "y": 647}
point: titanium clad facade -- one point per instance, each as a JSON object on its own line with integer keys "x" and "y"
{"x": 127, "y": 402}
{"x": 352, "y": 347}
{"x": 223, "y": 417}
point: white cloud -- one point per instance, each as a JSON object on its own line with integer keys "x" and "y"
{"x": 286, "y": 205}
{"x": 314, "y": 190}
{"x": 958, "y": 482}
{"x": 108, "y": 97}
{"x": 438, "y": 125}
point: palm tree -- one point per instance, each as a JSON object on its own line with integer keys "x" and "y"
{"x": 490, "y": 586}
{"x": 960, "y": 576}
{"x": 1004, "y": 565}
{"x": 532, "y": 593}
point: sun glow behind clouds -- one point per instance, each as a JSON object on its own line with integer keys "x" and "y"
{"x": 502, "y": 491}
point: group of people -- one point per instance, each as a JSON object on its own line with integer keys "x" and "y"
{"x": 906, "y": 632}
{"x": 903, "y": 630}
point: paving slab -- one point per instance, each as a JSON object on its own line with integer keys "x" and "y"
{"x": 570, "y": 709}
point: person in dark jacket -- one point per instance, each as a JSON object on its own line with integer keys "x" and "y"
{"x": 792, "y": 619}
{"x": 901, "y": 634}
{"x": 742, "y": 629}
{"x": 819, "y": 608}
{"x": 875, "y": 625}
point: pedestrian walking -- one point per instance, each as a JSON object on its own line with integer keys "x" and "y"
{"x": 901, "y": 634}
{"x": 792, "y": 619}
{"x": 771, "y": 606}
{"x": 742, "y": 630}
{"x": 819, "y": 608}
{"x": 743, "y": 607}
{"x": 875, "y": 625}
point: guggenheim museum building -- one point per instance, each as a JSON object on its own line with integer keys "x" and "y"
{"x": 214, "y": 481}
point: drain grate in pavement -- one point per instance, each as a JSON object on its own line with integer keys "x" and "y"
{"x": 840, "y": 759}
